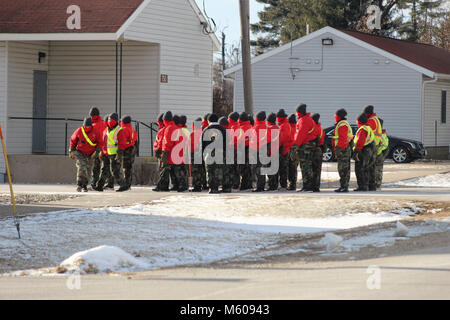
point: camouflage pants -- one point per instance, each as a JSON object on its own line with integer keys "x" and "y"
{"x": 227, "y": 179}
{"x": 379, "y": 167}
{"x": 234, "y": 171}
{"x": 305, "y": 155}
{"x": 197, "y": 174}
{"x": 343, "y": 157}
{"x": 164, "y": 172}
{"x": 364, "y": 168}
{"x": 292, "y": 169}
{"x": 84, "y": 167}
{"x": 317, "y": 167}
{"x": 181, "y": 175}
{"x": 129, "y": 156}
{"x": 260, "y": 178}
{"x": 246, "y": 172}
{"x": 284, "y": 169}
{"x": 111, "y": 169}
{"x": 96, "y": 170}
{"x": 214, "y": 173}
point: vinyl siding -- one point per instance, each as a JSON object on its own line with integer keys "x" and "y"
{"x": 3, "y": 81}
{"x": 432, "y": 113}
{"x": 83, "y": 74}
{"x": 346, "y": 77}
{"x": 22, "y": 61}
{"x": 186, "y": 55}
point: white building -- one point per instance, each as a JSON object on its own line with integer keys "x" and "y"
{"x": 159, "y": 48}
{"x": 408, "y": 83}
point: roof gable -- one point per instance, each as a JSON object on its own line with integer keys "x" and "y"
{"x": 413, "y": 61}
{"x": 50, "y": 16}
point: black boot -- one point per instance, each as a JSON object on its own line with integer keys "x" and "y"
{"x": 341, "y": 189}
{"x": 361, "y": 189}
{"x": 123, "y": 188}
{"x": 157, "y": 189}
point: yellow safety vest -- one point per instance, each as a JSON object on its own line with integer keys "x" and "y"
{"x": 384, "y": 143}
{"x": 336, "y": 130}
{"x": 113, "y": 142}
{"x": 369, "y": 138}
{"x": 378, "y": 132}
{"x": 87, "y": 138}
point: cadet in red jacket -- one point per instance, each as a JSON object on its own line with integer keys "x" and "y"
{"x": 318, "y": 154}
{"x": 167, "y": 146}
{"x": 273, "y": 138}
{"x": 286, "y": 138}
{"x": 157, "y": 145}
{"x": 257, "y": 141}
{"x": 245, "y": 170}
{"x": 196, "y": 156}
{"x": 235, "y": 129}
{"x": 293, "y": 161}
{"x": 342, "y": 143}
{"x": 83, "y": 148}
{"x": 112, "y": 156}
{"x": 365, "y": 154}
{"x": 129, "y": 148}
{"x": 99, "y": 125}
{"x": 374, "y": 123}
{"x": 305, "y": 145}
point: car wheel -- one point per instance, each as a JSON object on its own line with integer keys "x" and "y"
{"x": 328, "y": 155}
{"x": 400, "y": 155}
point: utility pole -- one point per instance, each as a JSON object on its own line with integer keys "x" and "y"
{"x": 223, "y": 52}
{"x": 244, "y": 8}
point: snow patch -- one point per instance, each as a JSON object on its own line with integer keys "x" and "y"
{"x": 331, "y": 241}
{"x": 436, "y": 181}
{"x": 401, "y": 230}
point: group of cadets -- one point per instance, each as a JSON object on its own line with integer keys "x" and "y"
{"x": 297, "y": 138}
{"x": 104, "y": 150}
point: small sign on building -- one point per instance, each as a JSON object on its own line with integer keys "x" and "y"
{"x": 164, "y": 78}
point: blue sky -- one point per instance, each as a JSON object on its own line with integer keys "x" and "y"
{"x": 226, "y": 14}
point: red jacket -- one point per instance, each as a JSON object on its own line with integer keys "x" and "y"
{"x": 321, "y": 134}
{"x": 361, "y": 136}
{"x": 286, "y": 135}
{"x": 79, "y": 142}
{"x": 121, "y": 138}
{"x": 246, "y": 128}
{"x": 100, "y": 126}
{"x": 306, "y": 129}
{"x": 129, "y": 137}
{"x": 159, "y": 137}
{"x": 169, "y": 134}
{"x": 205, "y": 124}
{"x": 273, "y": 136}
{"x": 342, "y": 134}
{"x": 259, "y": 136}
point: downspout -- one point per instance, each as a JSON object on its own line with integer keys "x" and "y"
{"x": 424, "y": 83}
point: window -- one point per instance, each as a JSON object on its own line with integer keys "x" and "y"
{"x": 444, "y": 107}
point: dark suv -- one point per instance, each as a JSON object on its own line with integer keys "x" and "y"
{"x": 401, "y": 150}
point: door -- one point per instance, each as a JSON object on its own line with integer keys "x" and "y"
{"x": 39, "y": 111}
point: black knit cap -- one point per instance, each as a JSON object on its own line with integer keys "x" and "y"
{"x": 224, "y": 121}
{"x": 261, "y": 116}
{"x": 206, "y": 117}
{"x": 368, "y": 109}
{"x": 301, "y": 108}
{"x": 250, "y": 118}
{"x": 363, "y": 118}
{"x": 292, "y": 118}
{"x": 316, "y": 117}
{"x": 183, "y": 120}
{"x": 161, "y": 117}
{"x": 168, "y": 116}
{"x": 213, "y": 118}
{"x": 176, "y": 119}
{"x": 272, "y": 118}
{"x": 234, "y": 116}
{"x": 281, "y": 113}
{"x": 126, "y": 119}
{"x": 114, "y": 116}
{"x": 94, "y": 112}
{"x": 342, "y": 113}
{"x": 87, "y": 122}
{"x": 243, "y": 116}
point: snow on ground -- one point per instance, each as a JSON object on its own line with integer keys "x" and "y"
{"x": 177, "y": 230}
{"x": 437, "y": 180}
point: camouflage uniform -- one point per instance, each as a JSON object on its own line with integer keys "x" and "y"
{"x": 284, "y": 168}
{"x": 111, "y": 170}
{"x": 317, "y": 167}
{"x": 181, "y": 176}
{"x": 379, "y": 167}
{"x": 164, "y": 171}
{"x": 260, "y": 178}
{"x": 305, "y": 155}
{"x": 84, "y": 167}
{"x": 96, "y": 170}
{"x": 234, "y": 171}
{"x": 197, "y": 174}
{"x": 214, "y": 174}
{"x": 364, "y": 167}
{"x": 227, "y": 179}
{"x": 246, "y": 172}
{"x": 343, "y": 157}
{"x": 129, "y": 156}
{"x": 293, "y": 169}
